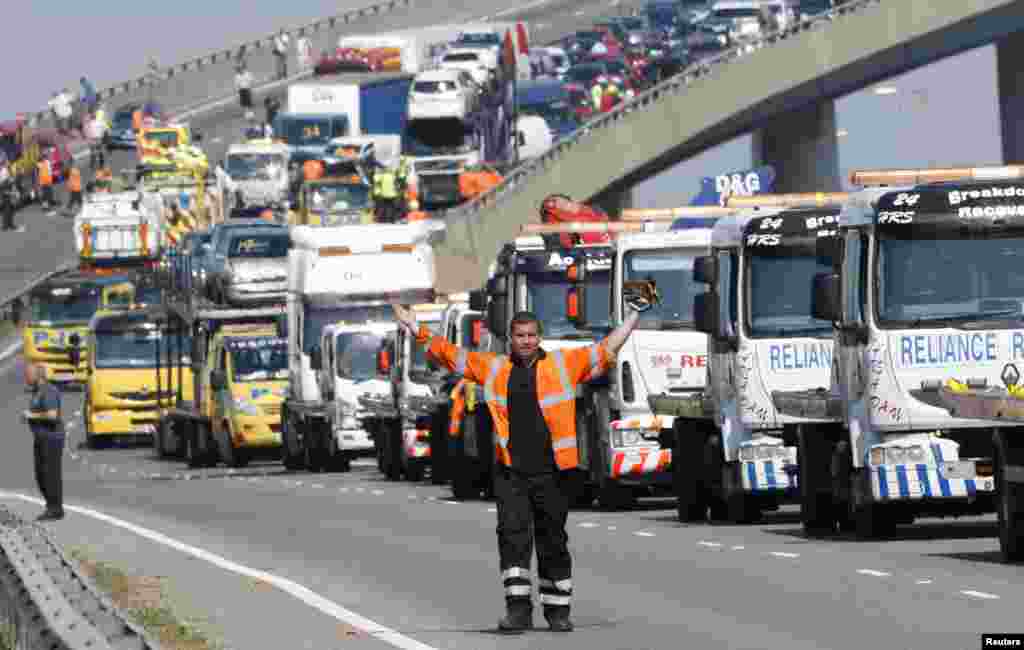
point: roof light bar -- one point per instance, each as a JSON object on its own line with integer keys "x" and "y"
{"x": 866, "y": 178}
{"x": 669, "y": 214}
{"x": 797, "y": 200}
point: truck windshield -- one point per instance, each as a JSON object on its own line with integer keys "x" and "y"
{"x": 314, "y": 319}
{"x": 438, "y": 138}
{"x": 269, "y": 245}
{"x": 259, "y": 358}
{"x": 135, "y": 348}
{"x": 932, "y": 280}
{"x": 779, "y": 296}
{"x": 356, "y": 354}
{"x": 65, "y": 308}
{"x": 547, "y": 293}
{"x": 255, "y": 166}
{"x": 672, "y": 273}
{"x": 162, "y": 138}
{"x": 461, "y": 57}
{"x": 479, "y": 38}
{"x": 324, "y": 199}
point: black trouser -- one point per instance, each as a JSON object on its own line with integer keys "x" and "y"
{"x": 534, "y": 507}
{"x": 49, "y": 451}
{"x": 245, "y": 97}
{"x": 282, "y": 65}
{"x": 388, "y": 210}
{"x": 97, "y": 157}
{"x": 7, "y": 205}
{"x": 74, "y": 200}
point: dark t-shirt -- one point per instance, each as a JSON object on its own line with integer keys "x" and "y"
{"x": 46, "y": 398}
{"x": 529, "y": 439}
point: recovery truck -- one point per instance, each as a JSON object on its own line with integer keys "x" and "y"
{"x": 121, "y": 228}
{"x": 533, "y": 274}
{"x": 225, "y": 374}
{"x": 258, "y": 174}
{"x": 736, "y": 454}
{"x": 630, "y": 449}
{"x": 923, "y": 295}
{"x": 410, "y": 51}
{"x": 342, "y": 274}
{"x": 169, "y": 149}
{"x": 402, "y": 426}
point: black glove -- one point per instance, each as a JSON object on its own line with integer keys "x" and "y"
{"x": 641, "y": 295}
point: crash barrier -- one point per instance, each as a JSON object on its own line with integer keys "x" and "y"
{"x": 45, "y": 602}
{"x": 227, "y": 55}
{"x": 518, "y": 179}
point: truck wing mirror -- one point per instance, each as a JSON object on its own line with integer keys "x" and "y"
{"x": 218, "y": 380}
{"x": 478, "y": 300}
{"x": 705, "y": 269}
{"x": 315, "y": 358}
{"x": 825, "y": 297}
{"x": 705, "y": 312}
{"x": 476, "y": 332}
{"x": 383, "y": 362}
{"x": 497, "y": 317}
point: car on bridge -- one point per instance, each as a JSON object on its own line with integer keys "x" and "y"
{"x": 442, "y": 94}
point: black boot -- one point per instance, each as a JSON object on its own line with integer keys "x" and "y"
{"x": 518, "y": 617}
{"x": 51, "y": 514}
{"x": 558, "y": 619}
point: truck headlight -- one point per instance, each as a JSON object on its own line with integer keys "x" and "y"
{"x": 626, "y": 437}
{"x": 878, "y": 456}
{"x": 246, "y": 407}
{"x": 895, "y": 455}
{"x": 349, "y": 422}
{"x": 916, "y": 454}
{"x": 747, "y": 454}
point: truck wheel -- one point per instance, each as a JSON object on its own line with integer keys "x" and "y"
{"x": 613, "y": 496}
{"x": 439, "y": 443}
{"x": 393, "y": 451}
{"x": 193, "y": 455}
{"x": 815, "y": 458}
{"x": 341, "y": 462}
{"x": 687, "y": 470}
{"x": 415, "y": 470}
{"x": 315, "y": 448}
{"x": 291, "y": 455}
{"x": 1009, "y": 501}
{"x": 713, "y": 473}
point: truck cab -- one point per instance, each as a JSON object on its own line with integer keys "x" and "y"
{"x": 348, "y": 373}
{"x": 764, "y": 344}
{"x": 922, "y": 292}
{"x": 335, "y": 201}
{"x": 248, "y": 378}
{"x": 258, "y": 173}
{"x": 122, "y": 398}
{"x": 59, "y": 310}
{"x": 122, "y": 228}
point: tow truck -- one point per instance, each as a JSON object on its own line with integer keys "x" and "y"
{"x": 923, "y": 297}
{"x": 534, "y": 274}
{"x": 347, "y": 274}
{"x": 630, "y": 449}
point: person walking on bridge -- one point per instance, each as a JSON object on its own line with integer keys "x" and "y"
{"x": 44, "y": 419}
{"x": 531, "y": 396}
{"x": 243, "y": 83}
{"x": 281, "y": 43}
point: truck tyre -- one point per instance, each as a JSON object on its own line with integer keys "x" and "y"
{"x": 393, "y": 451}
{"x": 193, "y": 449}
{"x": 1009, "y": 499}
{"x": 291, "y": 454}
{"x": 232, "y": 456}
{"x": 817, "y": 511}
{"x": 341, "y": 461}
{"x": 316, "y": 447}
{"x": 740, "y": 507}
{"x": 158, "y": 440}
{"x": 415, "y": 470}
{"x": 713, "y": 475}
{"x": 687, "y": 472}
{"x": 613, "y": 496}
{"x": 439, "y": 443}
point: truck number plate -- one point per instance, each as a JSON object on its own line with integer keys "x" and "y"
{"x": 957, "y": 470}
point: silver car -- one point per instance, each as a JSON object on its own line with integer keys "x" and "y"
{"x": 253, "y": 268}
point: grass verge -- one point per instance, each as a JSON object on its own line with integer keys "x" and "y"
{"x": 144, "y": 600}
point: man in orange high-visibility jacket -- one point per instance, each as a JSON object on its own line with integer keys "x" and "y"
{"x": 74, "y": 186}
{"x": 531, "y": 396}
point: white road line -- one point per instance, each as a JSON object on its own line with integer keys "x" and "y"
{"x": 294, "y": 589}
{"x": 587, "y": 524}
{"x": 413, "y": 497}
{"x": 709, "y": 544}
{"x": 979, "y": 594}
{"x": 377, "y": 493}
{"x": 613, "y": 528}
{"x": 514, "y": 10}
{"x": 10, "y": 351}
{"x": 492, "y": 510}
{"x": 344, "y": 489}
{"x": 360, "y": 490}
{"x": 642, "y": 533}
{"x": 738, "y": 548}
{"x": 782, "y": 554}
{"x": 578, "y": 13}
{"x": 318, "y": 485}
{"x": 872, "y": 572}
{"x": 923, "y": 582}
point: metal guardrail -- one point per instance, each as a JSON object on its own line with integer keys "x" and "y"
{"x": 45, "y": 603}
{"x": 222, "y": 55}
{"x": 519, "y": 177}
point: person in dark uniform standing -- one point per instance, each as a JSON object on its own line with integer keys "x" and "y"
{"x": 44, "y": 419}
{"x": 531, "y": 396}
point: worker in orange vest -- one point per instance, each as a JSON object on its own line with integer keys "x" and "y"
{"x": 312, "y": 170}
{"x": 74, "y": 187}
{"x": 474, "y": 182}
{"x": 415, "y": 214}
{"x": 137, "y": 120}
{"x": 531, "y": 397}
{"x": 44, "y": 178}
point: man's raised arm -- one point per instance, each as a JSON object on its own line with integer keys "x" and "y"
{"x": 471, "y": 365}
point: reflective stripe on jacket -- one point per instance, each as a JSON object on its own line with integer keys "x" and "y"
{"x": 558, "y": 374}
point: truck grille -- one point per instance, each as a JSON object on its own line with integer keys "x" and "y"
{"x": 272, "y": 409}
{"x": 142, "y": 396}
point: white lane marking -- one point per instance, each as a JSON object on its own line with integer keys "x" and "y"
{"x": 318, "y": 485}
{"x": 643, "y": 533}
{"x": 304, "y": 594}
{"x": 360, "y": 490}
{"x": 872, "y": 572}
{"x": 542, "y": 26}
{"x": 979, "y": 594}
{"x": 10, "y": 351}
{"x": 578, "y": 13}
{"x": 413, "y": 497}
{"x": 613, "y": 528}
{"x": 923, "y": 582}
{"x": 587, "y": 524}
{"x": 492, "y": 510}
{"x": 783, "y": 554}
{"x": 709, "y": 544}
{"x": 344, "y": 489}
{"x": 738, "y": 548}
{"x": 377, "y": 493}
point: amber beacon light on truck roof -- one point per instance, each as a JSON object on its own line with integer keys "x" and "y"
{"x": 876, "y": 177}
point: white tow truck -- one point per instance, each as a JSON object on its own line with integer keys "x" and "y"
{"x": 924, "y": 293}
{"x": 126, "y": 227}
{"x": 257, "y": 174}
{"x": 736, "y": 455}
{"x": 347, "y": 274}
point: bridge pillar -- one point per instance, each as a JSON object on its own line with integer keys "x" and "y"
{"x": 613, "y": 202}
{"x": 1010, "y": 79}
{"x": 803, "y": 148}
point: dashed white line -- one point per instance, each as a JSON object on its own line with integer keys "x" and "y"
{"x": 783, "y": 554}
{"x": 643, "y": 533}
{"x": 344, "y": 489}
{"x": 318, "y": 486}
{"x": 360, "y": 490}
{"x": 587, "y": 524}
{"x": 612, "y": 528}
{"x": 294, "y": 589}
{"x": 578, "y": 13}
{"x": 708, "y": 544}
{"x": 377, "y": 493}
{"x": 923, "y": 582}
{"x": 738, "y": 548}
{"x": 492, "y": 510}
{"x": 979, "y": 594}
{"x": 873, "y": 573}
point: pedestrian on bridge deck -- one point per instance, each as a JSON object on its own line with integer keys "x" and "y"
{"x": 281, "y": 43}
{"x": 243, "y": 82}
{"x": 531, "y": 396}
{"x": 44, "y": 419}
